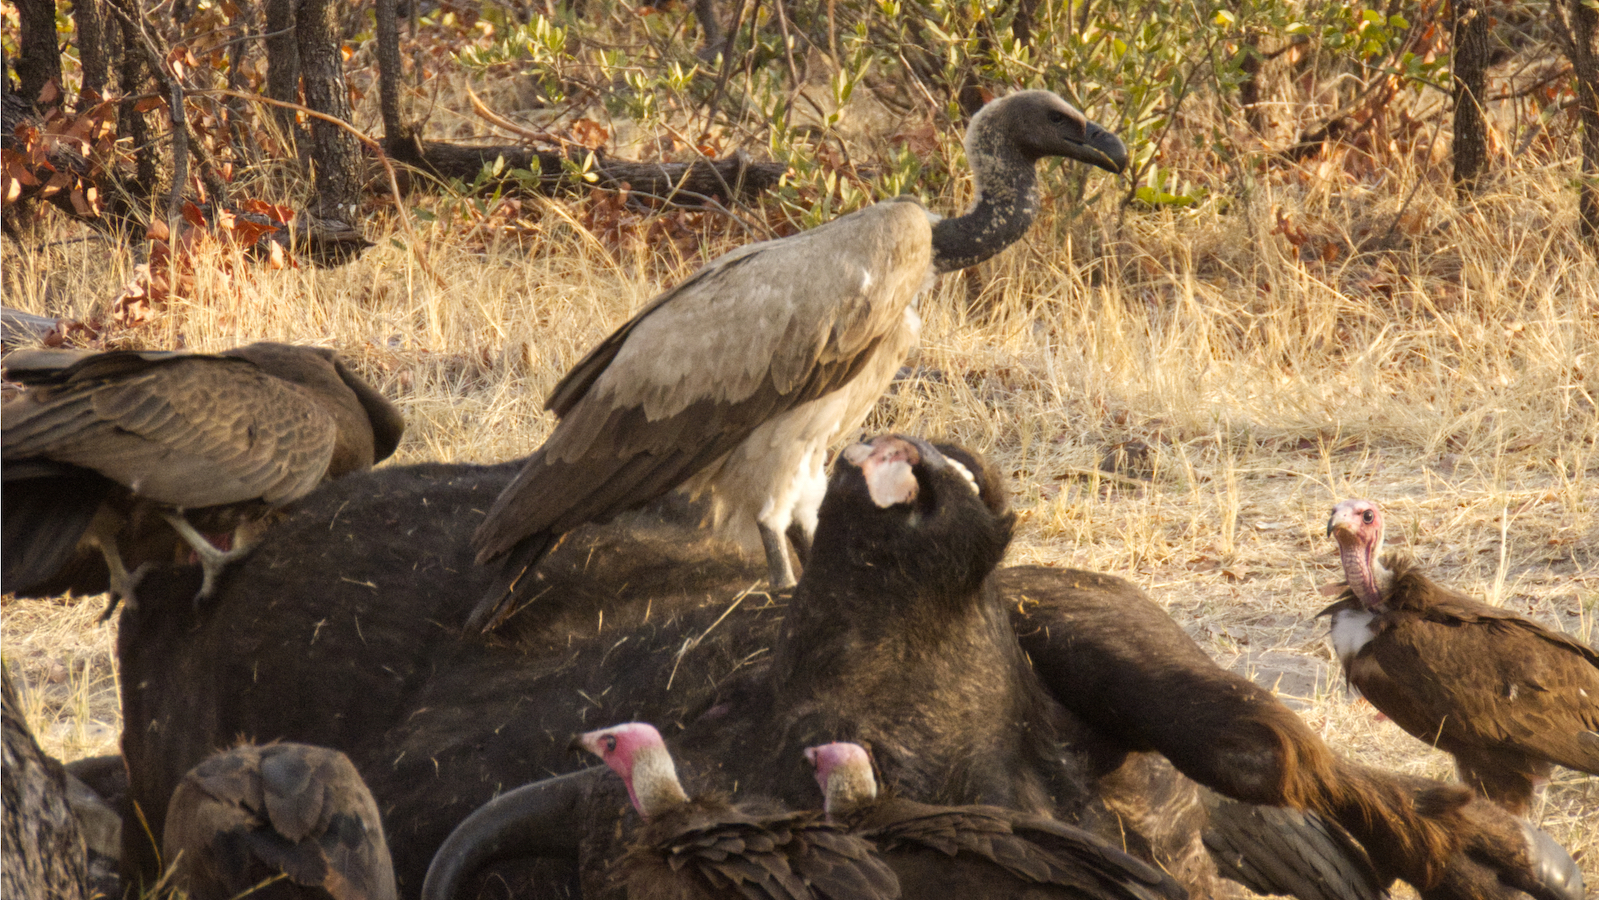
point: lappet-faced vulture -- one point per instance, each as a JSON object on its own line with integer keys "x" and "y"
{"x": 1507, "y": 696}
{"x": 704, "y": 847}
{"x": 737, "y": 380}
{"x": 279, "y": 822}
{"x": 977, "y": 851}
{"x": 112, "y": 449}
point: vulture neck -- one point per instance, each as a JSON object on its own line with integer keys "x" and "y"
{"x": 653, "y": 784}
{"x": 1363, "y": 569}
{"x": 1007, "y": 202}
{"x": 849, "y": 787}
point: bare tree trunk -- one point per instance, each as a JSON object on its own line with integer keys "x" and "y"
{"x": 1021, "y": 27}
{"x": 1249, "y": 88}
{"x": 131, "y": 81}
{"x": 335, "y": 155}
{"x": 1469, "y": 69}
{"x": 39, "y": 62}
{"x": 388, "y": 53}
{"x": 92, "y": 49}
{"x": 1577, "y": 24}
{"x": 42, "y": 851}
{"x": 283, "y": 63}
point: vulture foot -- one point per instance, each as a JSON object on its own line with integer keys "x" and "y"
{"x": 212, "y": 560}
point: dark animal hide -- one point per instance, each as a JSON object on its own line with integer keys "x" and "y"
{"x": 343, "y": 628}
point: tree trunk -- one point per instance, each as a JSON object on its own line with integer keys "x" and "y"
{"x": 1469, "y": 70}
{"x": 1577, "y": 25}
{"x": 92, "y": 50}
{"x": 335, "y": 155}
{"x": 39, "y": 61}
{"x": 131, "y": 81}
{"x": 42, "y": 851}
{"x": 388, "y": 54}
{"x": 283, "y": 64}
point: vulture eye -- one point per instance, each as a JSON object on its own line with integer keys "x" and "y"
{"x": 1367, "y": 516}
{"x": 610, "y": 743}
{"x": 1057, "y": 117}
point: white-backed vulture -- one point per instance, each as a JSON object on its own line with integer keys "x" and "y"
{"x": 1506, "y": 696}
{"x": 737, "y": 380}
{"x": 114, "y": 449}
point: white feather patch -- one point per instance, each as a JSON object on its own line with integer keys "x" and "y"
{"x": 1351, "y": 630}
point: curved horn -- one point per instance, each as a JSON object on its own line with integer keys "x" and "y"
{"x": 537, "y": 819}
{"x": 1554, "y": 875}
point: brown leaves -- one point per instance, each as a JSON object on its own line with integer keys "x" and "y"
{"x": 59, "y": 159}
{"x": 203, "y": 236}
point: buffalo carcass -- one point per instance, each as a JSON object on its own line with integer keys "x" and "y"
{"x": 343, "y": 628}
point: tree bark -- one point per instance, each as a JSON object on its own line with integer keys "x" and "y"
{"x": 388, "y": 54}
{"x": 283, "y": 64}
{"x": 1577, "y": 25}
{"x": 131, "y": 81}
{"x": 39, "y": 62}
{"x": 42, "y": 851}
{"x": 92, "y": 50}
{"x": 1469, "y": 71}
{"x": 335, "y": 156}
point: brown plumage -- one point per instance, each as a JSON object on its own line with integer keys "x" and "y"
{"x": 701, "y": 848}
{"x": 977, "y": 851}
{"x": 739, "y": 379}
{"x": 1506, "y": 696}
{"x": 113, "y": 449}
{"x": 295, "y": 817}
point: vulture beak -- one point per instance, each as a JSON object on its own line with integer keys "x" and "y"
{"x": 1100, "y": 148}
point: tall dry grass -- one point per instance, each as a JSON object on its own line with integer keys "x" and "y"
{"x": 1316, "y": 335}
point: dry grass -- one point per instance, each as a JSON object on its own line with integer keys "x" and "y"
{"x": 1446, "y": 367}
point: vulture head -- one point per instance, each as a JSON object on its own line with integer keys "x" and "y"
{"x": 1357, "y": 527}
{"x": 636, "y": 753}
{"x": 1040, "y": 124}
{"x": 844, "y": 773}
{"x": 896, "y": 498}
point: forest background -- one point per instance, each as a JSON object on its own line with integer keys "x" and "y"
{"x": 1354, "y": 255}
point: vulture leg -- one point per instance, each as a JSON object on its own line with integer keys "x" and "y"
{"x": 801, "y": 542}
{"x": 779, "y": 568}
{"x": 120, "y": 581}
{"x": 1498, "y": 780}
{"x": 212, "y": 560}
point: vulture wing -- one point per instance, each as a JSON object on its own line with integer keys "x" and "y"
{"x": 1033, "y": 849}
{"x": 283, "y": 810}
{"x": 751, "y": 336}
{"x": 1276, "y": 850}
{"x": 1494, "y": 679}
{"x": 792, "y": 858}
{"x": 188, "y": 431}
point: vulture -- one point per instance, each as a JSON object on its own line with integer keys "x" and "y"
{"x": 118, "y": 450}
{"x": 703, "y": 847}
{"x": 291, "y": 821}
{"x": 736, "y": 381}
{"x": 978, "y": 851}
{"x": 1506, "y": 696}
